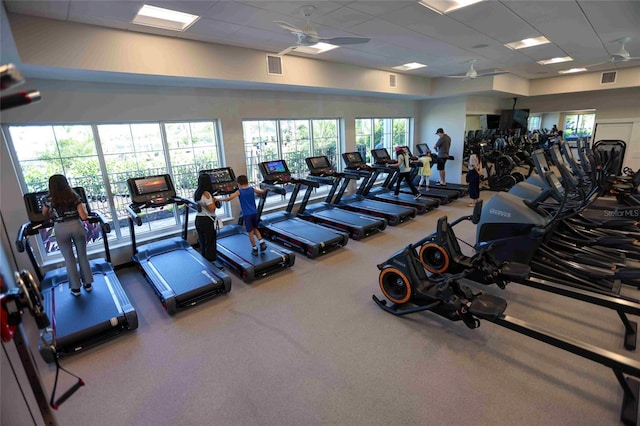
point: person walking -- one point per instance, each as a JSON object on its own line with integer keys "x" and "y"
{"x": 206, "y": 218}
{"x": 425, "y": 170}
{"x": 442, "y": 149}
{"x": 404, "y": 172}
{"x": 246, "y": 194}
{"x": 64, "y": 206}
{"x": 473, "y": 176}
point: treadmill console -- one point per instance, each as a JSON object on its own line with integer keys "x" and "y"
{"x": 275, "y": 171}
{"x": 381, "y": 156}
{"x": 151, "y": 189}
{"x": 223, "y": 180}
{"x": 354, "y": 161}
{"x": 320, "y": 166}
{"x": 34, "y": 201}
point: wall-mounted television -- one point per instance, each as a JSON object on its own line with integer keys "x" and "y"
{"x": 514, "y": 119}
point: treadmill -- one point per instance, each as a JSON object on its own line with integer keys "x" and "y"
{"x": 356, "y": 168}
{"x": 358, "y": 225}
{"x": 460, "y": 188}
{"x": 288, "y": 230}
{"x": 76, "y": 323}
{"x": 179, "y": 275}
{"x": 385, "y": 192}
{"x": 234, "y": 247}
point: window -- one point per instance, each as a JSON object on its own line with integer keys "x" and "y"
{"x": 578, "y": 126}
{"x": 289, "y": 140}
{"x": 534, "y": 122}
{"x": 101, "y": 157}
{"x": 374, "y": 133}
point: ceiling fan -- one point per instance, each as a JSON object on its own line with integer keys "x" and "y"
{"x": 309, "y": 36}
{"x": 472, "y": 73}
{"x": 622, "y": 55}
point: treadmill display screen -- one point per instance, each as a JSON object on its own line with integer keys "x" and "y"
{"x": 422, "y": 148}
{"x": 151, "y": 185}
{"x": 273, "y": 171}
{"x": 219, "y": 175}
{"x": 352, "y": 158}
{"x": 276, "y": 167}
{"x": 151, "y": 188}
{"x": 319, "y": 162}
{"x": 380, "y": 155}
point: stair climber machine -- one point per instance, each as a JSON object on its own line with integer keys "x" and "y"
{"x": 423, "y": 149}
{"x": 356, "y": 168}
{"x": 440, "y": 253}
{"x": 234, "y": 247}
{"x": 408, "y": 289}
{"x": 179, "y": 275}
{"x": 385, "y": 192}
{"x": 284, "y": 227}
{"x": 357, "y": 225}
{"x": 77, "y": 323}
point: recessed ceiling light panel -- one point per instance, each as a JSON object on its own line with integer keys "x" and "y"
{"x": 572, "y": 70}
{"x": 316, "y": 49}
{"x": 445, "y": 6}
{"x": 527, "y": 42}
{"x": 167, "y": 19}
{"x": 555, "y": 60}
{"x": 410, "y": 66}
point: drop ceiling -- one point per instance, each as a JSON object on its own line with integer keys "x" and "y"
{"x": 400, "y": 31}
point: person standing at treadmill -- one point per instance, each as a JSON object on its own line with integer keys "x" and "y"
{"x": 250, "y": 217}
{"x": 206, "y": 218}
{"x": 402, "y": 162}
{"x": 66, "y": 209}
{"x": 442, "y": 149}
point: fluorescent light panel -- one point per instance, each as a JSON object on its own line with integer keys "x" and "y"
{"x": 410, "y": 66}
{"x": 158, "y": 17}
{"x": 572, "y": 70}
{"x": 316, "y": 49}
{"x": 527, "y": 42}
{"x": 445, "y": 6}
{"x": 555, "y": 60}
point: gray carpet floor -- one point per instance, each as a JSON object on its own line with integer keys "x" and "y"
{"x": 307, "y": 346}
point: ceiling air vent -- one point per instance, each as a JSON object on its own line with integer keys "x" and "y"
{"x": 393, "y": 80}
{"x": 274, "y": 65}
{"x": 608, "y": 77}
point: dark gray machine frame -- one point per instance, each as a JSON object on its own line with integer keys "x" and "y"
{"x": 78, "y": 323}
{"x": 179, "y": 275}
{"x": 234, "y": 248}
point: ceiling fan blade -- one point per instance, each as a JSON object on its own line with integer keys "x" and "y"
{"x": 287, "y": 50}
{"x": 492, "y": 73}
{"x": 457, "y": 76}
{"x": 343, "y": 41}
{"x": 610, "y": 61}
{"x": 288, "y": 27}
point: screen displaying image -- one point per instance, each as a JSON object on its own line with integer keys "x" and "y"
{"x": 151, "y": 185}
{"x": 353, "y": 157}
{"x": 380, "y": 154}
{"x": 320, "y": 162}
{"x": 276, "y": 167}
{"x": 220, "y": 176}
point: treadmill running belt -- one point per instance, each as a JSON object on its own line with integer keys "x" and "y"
{"x": 95, "y": 308}
{"x": 175, "y": 266}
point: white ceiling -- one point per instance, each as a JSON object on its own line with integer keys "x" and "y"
{"x": 400, "y": 31}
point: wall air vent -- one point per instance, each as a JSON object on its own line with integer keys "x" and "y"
{"x": 274, "y": 65}
{"x": 608, "y": 77}
{"x": 393, "y": 80}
